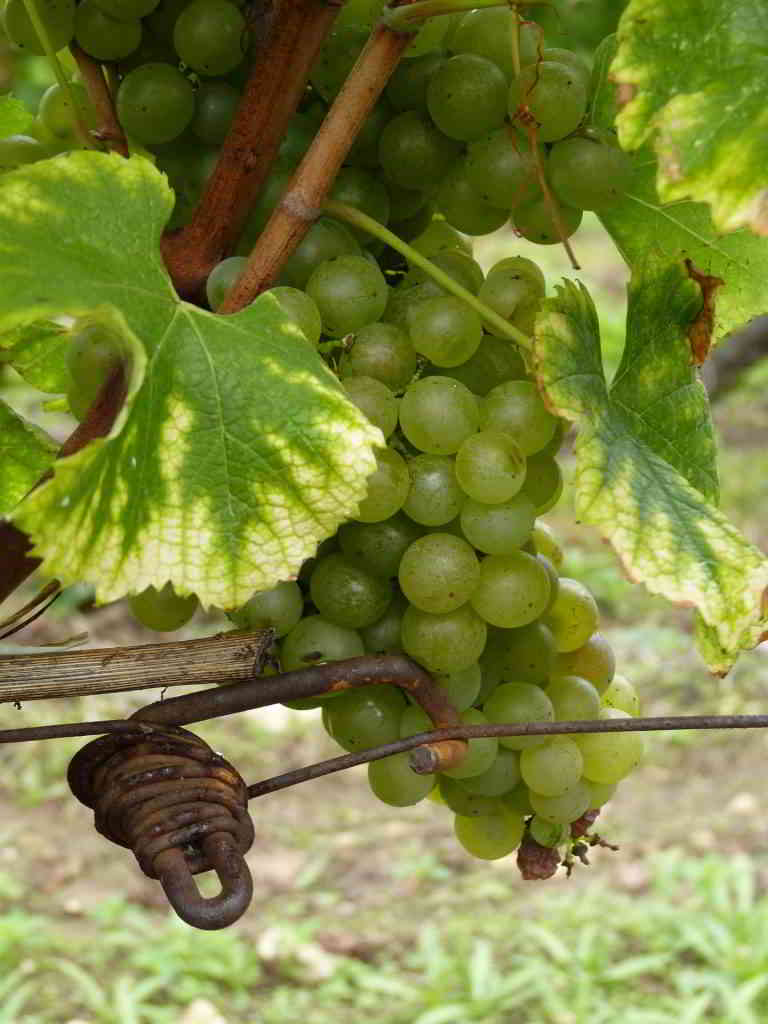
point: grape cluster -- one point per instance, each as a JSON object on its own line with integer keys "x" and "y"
{"x": 445, "y": 558}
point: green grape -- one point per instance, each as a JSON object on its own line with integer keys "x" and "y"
{"x": 533, "y": 221}
{"x": 279, "y": 609}
{"x": 431, "y": 35}
{"x": 366, "y": 717}
{"x": 519, "y": 702}
{"x": 394, "y": 782}
{"x": 437, "y": 414}
{"x": 574, "y": 616}
{"x": 588, "y": 174}
{"x": 360, "y": 189}
{"x": 325, "y": 240}
{"x": 414, "y": 720}
{"x": 491, "y": 836}
{"x": 438, "y": 573}
{"x": 383, "y": 637}
{"x": 349, "y": 292}
{"x": 489, "y": 34}
{"x": 361, "y": 13}
{"x": 543, "y": 482}
{"x": 554, "y": 580}
{"x": 516, "y": 409}
{"x": 547, "y": 833}
{"x": 102, "y": 36}
{"x": 553, "y": 94}
{"x": 297, "y": 139}
{"x": 210, "y": 36}
{"x": 365, "y": 150}
{"x": 556, "y": 443}
{"x": 501, "y": 169}
{"x": 411, "y": 227}
{"x": 435, "y": 497}
{"x": 461, "y": 688}
{"x": 298, "y": 306}
{"x": 518, "y": 800}
{"x": 443, "y": 643}
{"x": 552, "y": 768}
{"x": 622, "y": 695}
{"x": 58, "y": 16}
{"x": 334, "y": 62}
{"x": 405, "y": 203}
{"x": 573, "y": 698}
{"x": 546, "y": 544}
{"x": 387, "y": 488}
{"x": 498, "y": 529}
{"x": 594, "y": 661}
{"x": 94, "y": 354}
{"x": 407, "y": 88}
{"x": 314, "y": 640}
{"x": 600, "y": 793}
{"x": 525, "y": 655}
{"x": 565, "y": 808}
{"x": 215, "y": 106}
{"x": 347, "y": 595}
{"x": 501, "y": 778}
{"x": 17, "y": 150}
{"x": 513, "y": 590}
{"x": 460, "y": 800}
{"x": 439, "y": 236}
{"x": 445, "y": 330}
{"x": 265, "y": 205}
{"x": 508, "y": 288}
{"x": 222, "y": 279}
{"x": 378, "y": 547}
{"x": 381, "y": 351}
{"x": 127, "y": 10}
{"x": 56, "y": 112}
{"x": 609, "y": 756}
{"x": 481, "y": 753}
{"x": 163, "y": 610}
{"x": 155, "y": 103}
{"x": 466, "y": 97}
{"x": 495, "y": 361}
{"x": 412, "y": 151}
{"x": 463, "y": 206}
{"x": 490, "y": 467}
{"x": 375, "y": 400}
{"x": 161, "y": 21}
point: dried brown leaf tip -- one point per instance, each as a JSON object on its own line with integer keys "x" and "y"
{"x": 700, "y": 331}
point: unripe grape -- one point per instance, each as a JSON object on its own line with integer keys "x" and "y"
{"x": 589, "y": 175}
{"x": 609, "y": 756}
{"x": 365, "y": 717}
{"x": 363, "y": 191}
{"x": 513, "y": 590}
{"x": 461, "y": 801}
{"x": 501, "y": 778}
{"x": 490, "y": 467}
{"x": 443, "y": 643}
{"x": 383, "y": 637}
{"x": 463, "y": 206}
{"x": 94, "y": 354}
{"x": 438, "y": 573}
{"x": 488, "y": 32}
{"x": 495, "y": 361}
{"x": 437, "y": 414}
{"x": 517, "y": 409}
{"x": 445, "y": 330}
{"x": 594, "y": 661}
{"x": 349, "y": 292}
{"x": 57, "y": 15}
{"x": 375, "y": 400}
{"x": 511, "y": 703}
{"x": 279, "y": 609}
{"x": 163, "y": 610}
{"x": 543, "y": 482}
{"x": 466, "y": 97}
{"x": 547, "y": 833}
{"x": 407, "y": 88}
{"x": 412, "y": 150}
{"x": 347, "y": 595}
{"x": 461, "y": 688}
{"x": 387, "y": 488}
{"x": 498, "y": 529}
{"x": 573, "y": 698}
{"x": 155, "y": 103}
{"x": 533, "y": 220}
{"x": 565, "y": 808}
{"x": 525, "y": 655}
{"x": 326, "y": 240}
{"x": 435, "y": 497}
{"x": 382, "y": 351}
{"x": 378, "y": 547}
{"x": 222, "y": 279}
{"x": 314, "y": 640}
{"x": 501, "y": 169}
{"x": 622, "y": 695}
{"x": 395, "y": 783}
{"x": 553, "y": 767}
{"x": 210, "y": 36}
{"x": 102, "y": 36}
{"x": 574, "y": 616}
{"x": 554, "y": 95}
{"x": 546, "y": 544}
{"x": 481, "y": 752}
{"x": 298, "y": 306}
{"x": 491, "y": 836}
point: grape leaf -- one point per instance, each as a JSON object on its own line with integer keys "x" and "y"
{"x": 697, "y": 71}
{"x": 15, "y": 119}
{"x": 236, "y": 450}
{"x": 25, "y": 454}
{"x": 38, "y": 353}
{"x": 652, "y": 235}
{"x": 667, "y": 533}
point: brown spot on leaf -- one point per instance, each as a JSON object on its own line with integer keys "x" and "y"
{"x": 700, "y": 331}
{"x": 625, "y": 93}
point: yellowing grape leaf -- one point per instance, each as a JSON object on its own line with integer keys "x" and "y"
{"x": 632, "y": 474}
{"x": 696, "y": 71}
{"x": 236, "y": 450}
{"x": 25, "y": 454}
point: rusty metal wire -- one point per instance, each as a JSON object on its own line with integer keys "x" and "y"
{"x": 181, "y": 809}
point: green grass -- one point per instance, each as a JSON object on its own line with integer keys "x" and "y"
{"x": 691, "y": 947}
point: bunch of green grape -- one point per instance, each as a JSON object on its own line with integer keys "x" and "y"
{"x": 445, "y": 559}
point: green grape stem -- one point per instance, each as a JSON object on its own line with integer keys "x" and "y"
{"x": 410, "y": 18}
{"x": 359, "y": 219}
{"x": 42, "y": 33}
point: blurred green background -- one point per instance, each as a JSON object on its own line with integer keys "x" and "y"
{"x": 362, "y": 911}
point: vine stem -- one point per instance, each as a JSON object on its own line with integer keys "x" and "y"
{"x": 100, "y": 96}
{"x": 516, "y": 64}
{"x": 312, "y": 180}
{"x": 423, "y": 740}
{"x": 275, "y": 86}
{"x": 549, "y": 198}
{"x": 42, "y": 34}
{"x": 361, "y": 220}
